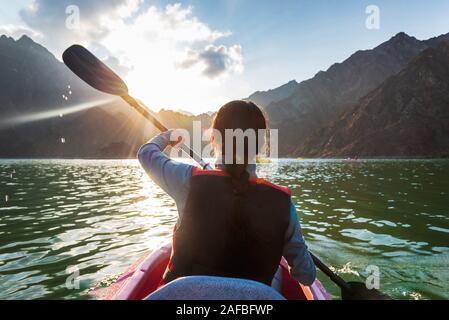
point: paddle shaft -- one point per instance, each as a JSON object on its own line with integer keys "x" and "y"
{"x": 334, "y": 277}
{"x": 139, "y": 107}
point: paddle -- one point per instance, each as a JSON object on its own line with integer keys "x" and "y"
{"x": 99, "y": 76}
{"x": 350, "y": 290}
{"x": 95, "y": 73}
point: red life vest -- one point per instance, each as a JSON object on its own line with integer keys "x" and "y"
{"x": 229, "y": 235}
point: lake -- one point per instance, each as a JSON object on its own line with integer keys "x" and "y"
{"x": 96, "y": 217}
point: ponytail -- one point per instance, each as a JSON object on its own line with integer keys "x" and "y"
{"x": 242, "y": 115}
{"x": 239, "y": 172}
{"x": 240, "y": 182}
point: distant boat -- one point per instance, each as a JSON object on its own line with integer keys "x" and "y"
{"x": 301, "y": 158}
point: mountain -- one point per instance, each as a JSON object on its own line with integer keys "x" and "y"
{"x": 264, "y": 98}
{"x": 34, "y": 82}
{"x": 408, "y": 115}
{"x": 32, "y": 79}
{"x": 316, "y": 102}
{"x": 387, "y": 101}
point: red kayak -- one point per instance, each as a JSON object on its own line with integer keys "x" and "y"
{"x": 144, "y": 277}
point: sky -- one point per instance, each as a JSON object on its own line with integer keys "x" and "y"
{"x": 196, "y": 55}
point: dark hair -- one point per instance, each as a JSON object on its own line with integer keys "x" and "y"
{"x": 242, "y": 115}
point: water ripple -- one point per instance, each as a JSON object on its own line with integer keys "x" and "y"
{"x": 99, "y": 216}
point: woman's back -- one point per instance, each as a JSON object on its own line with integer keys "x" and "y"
{"x": 231, "y": 235}
{"x": 230, "y": 222}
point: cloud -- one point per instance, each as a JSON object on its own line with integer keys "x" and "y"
{"x": 115, "y": 64}
{"x": 18, "y": 31}
{"x": 215, "y": 61}
{"x": 49, "y": 18}
{"x": 163, "y": 35}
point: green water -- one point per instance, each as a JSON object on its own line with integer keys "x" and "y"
{"x": 99, "y": 216}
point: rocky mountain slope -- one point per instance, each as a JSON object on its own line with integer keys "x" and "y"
{"x": 315, "y": 103}
{"x": 265, "y": 98}
{"x": 408, "y": 115}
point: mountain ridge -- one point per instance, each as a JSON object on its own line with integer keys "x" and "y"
{"x": 411, "y": 107}
{"x": 33, "y": 80}
{"x": 317, "y": 101}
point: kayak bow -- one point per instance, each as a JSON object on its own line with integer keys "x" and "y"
{"x": 144, "y": 278}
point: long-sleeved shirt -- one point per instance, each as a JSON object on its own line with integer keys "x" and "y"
{"x": 174, "y": 178}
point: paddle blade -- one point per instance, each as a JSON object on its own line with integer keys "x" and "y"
{"x": 94, "y": 72}
{"x": 359, "y": 291}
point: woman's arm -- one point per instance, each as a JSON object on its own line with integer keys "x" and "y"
{"x": 173, "y": 177}
{"x": 296, "y": 252}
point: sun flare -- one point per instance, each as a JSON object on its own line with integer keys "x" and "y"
{"x": 171, "y": 60}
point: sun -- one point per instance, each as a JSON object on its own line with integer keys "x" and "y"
{"x": 154, "y": 46}
{"x": 161, "y": 85}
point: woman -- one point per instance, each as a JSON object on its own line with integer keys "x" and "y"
{"x": 231, "y": 224}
